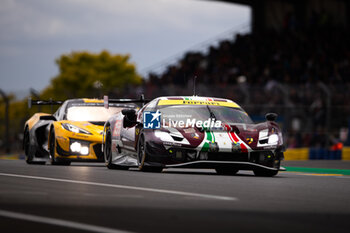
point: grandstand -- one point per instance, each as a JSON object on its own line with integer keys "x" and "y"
{"x": 296, "y": 62}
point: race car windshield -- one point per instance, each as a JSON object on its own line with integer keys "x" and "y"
{"x": 226, "y": 115}
{"x": 91, "y": 113}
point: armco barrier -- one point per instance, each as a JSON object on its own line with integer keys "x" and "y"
{"x": 317, "y": 153}
{"x": 346, "y": 153}
{"x": 297, "y": 154}
{"x": 12, "y": 156}
{"x": 325, "y": 154}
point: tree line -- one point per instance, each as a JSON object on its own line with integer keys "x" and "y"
{"x": 81, "y": 74}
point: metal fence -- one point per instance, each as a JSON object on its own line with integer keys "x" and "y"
{"x": 311, "y": 115}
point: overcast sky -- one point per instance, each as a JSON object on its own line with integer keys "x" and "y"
{"x": 36, "y": 32}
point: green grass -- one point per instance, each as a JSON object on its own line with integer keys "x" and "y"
{"x": 318, "y": 170}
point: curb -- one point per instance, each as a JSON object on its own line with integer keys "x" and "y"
{"x": 13, "y": 156}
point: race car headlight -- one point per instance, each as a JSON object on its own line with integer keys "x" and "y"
{"x": 79, "y": 147}
{"x": 164, "y": 136}
{"x": 75, "y": 129}
{"x": 273, "y": 139}
{"x": 75, "y": 147}
{"x": 84, "y": 150}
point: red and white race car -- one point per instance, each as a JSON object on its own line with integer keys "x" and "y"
{"x": 192, "y": 132}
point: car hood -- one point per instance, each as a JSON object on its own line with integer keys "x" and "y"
{"x": 244, "y": 137}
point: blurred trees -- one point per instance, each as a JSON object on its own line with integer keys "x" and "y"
{"x": 81, "y": 74}
{"x": 84, "y": 74}
{"x": 18, "y": 112}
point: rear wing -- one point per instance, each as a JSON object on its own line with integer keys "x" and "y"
{"x": 108, "y": 101}
{"x": 43, "y": 102}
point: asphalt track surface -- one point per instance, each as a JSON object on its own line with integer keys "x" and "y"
{"x": 89, "y": 197}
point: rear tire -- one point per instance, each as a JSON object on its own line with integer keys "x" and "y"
{"x": 53, "y": 159}
{"x": 142, "y": 157}
{"x": 226, "y": 171}
{"x": 107, "y": 151}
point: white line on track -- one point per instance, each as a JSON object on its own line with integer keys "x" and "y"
{"x": 180, "y": 193}
{"x": 58, "y": 222}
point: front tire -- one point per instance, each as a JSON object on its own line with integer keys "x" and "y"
{"x": 107, "y": 151}
{"x": 226, "y": 170}
{"x": 53, "y": 159}
{"x": 142, "y": 157}
{"x": 27, "y": 150}
{"x": 269, "y": 173}
{"x": 265, "y": 173}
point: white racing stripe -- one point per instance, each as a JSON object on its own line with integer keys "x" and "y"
{"x": 225, "y": 198}
{"x": 58, "y": 222}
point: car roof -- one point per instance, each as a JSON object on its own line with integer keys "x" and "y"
{"x": 196, "y": 100}
{"x": 199, "y": 98}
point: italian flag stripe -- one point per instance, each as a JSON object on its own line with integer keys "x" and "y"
{"x": 205, "y": 147}
{"x": 209, "y": 137}
{"x": 235, "y": 138}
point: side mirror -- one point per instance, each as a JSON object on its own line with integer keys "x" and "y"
{"x": 129, "y": 118}
{"x": 129, "y": 112}
{"x": 271, "y": 116}
{"x": 127, "y": 123}
{"x": 48, "y": 118}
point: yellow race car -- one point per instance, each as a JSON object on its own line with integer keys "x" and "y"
{"x": 72, "y": 133}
